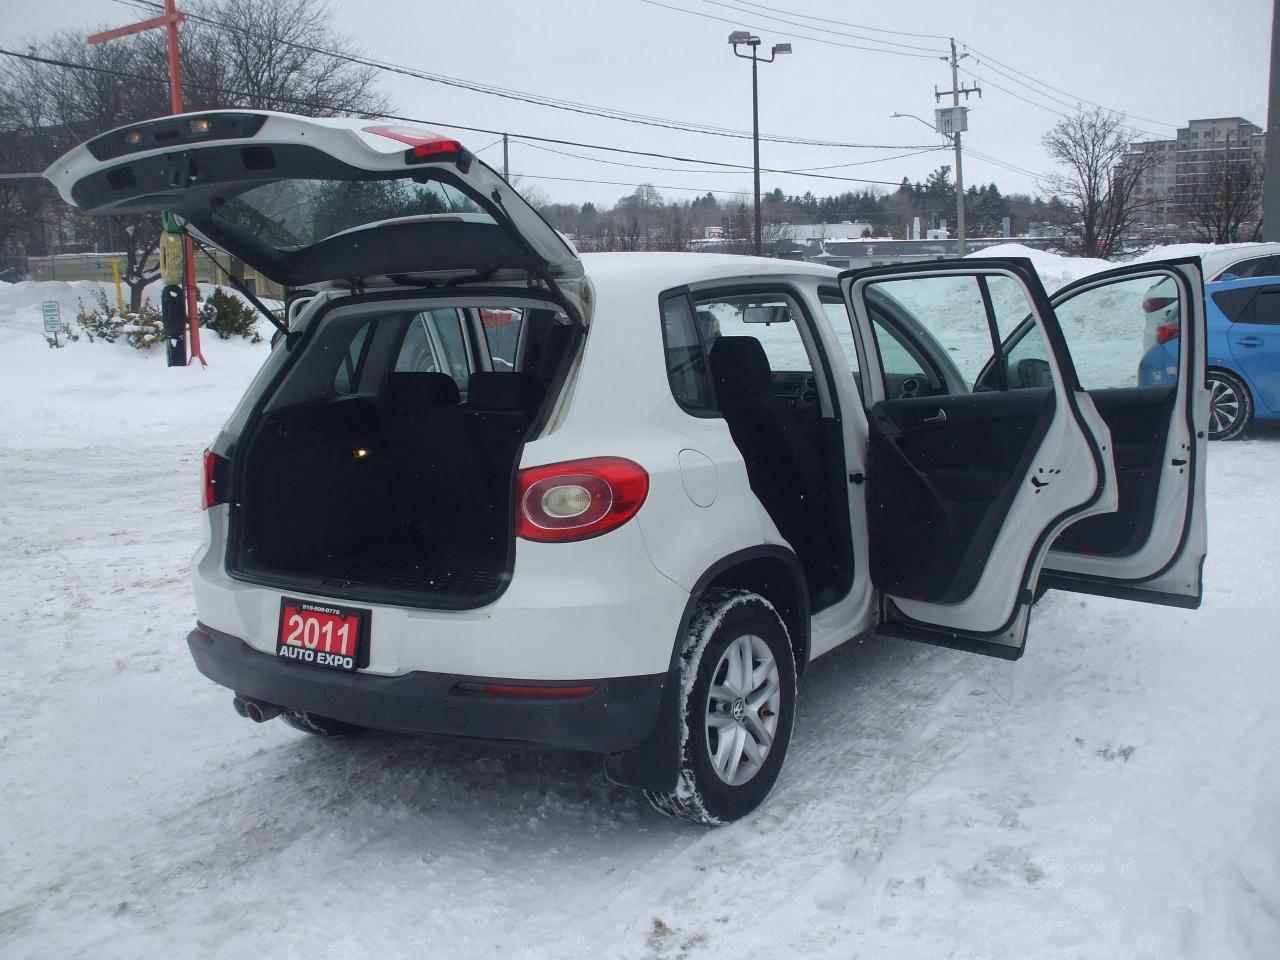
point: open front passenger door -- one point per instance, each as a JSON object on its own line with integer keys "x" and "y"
{"x": 1137, "y": 341}
{"x": 976, "y": 462}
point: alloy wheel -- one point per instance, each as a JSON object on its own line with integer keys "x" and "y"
{"x": 742, "y": 709}
{"x": 1224, "y": 406}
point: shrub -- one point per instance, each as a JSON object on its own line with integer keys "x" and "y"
{"x": 141, "y": 330}
{"x": 229, "y": 317}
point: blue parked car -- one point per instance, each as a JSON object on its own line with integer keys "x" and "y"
{"x": 1243, "y": 350}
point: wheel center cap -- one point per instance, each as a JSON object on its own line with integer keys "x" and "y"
{"x": 739, "y": 709}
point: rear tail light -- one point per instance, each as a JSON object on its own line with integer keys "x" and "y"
{"x": 1152, "y": 304}
{"x": 1169, "y": 330}
{"x": 215, "y": 480}
{"x": 579, "y": 499}
{"x": 424, "y": 145}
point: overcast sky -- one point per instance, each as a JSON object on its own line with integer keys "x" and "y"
{"x": 1165, "y": 61}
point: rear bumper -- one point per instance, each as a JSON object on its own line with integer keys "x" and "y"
{"x": 619, "y": 716}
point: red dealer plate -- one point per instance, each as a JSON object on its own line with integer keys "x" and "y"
{"x": 322, "y": 634}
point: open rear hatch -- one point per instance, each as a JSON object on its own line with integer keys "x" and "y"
{"x": 305, "y": 201}
{"x": 379, "y": 462}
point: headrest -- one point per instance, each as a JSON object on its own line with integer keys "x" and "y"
{"x": 553, "y": 347}
{"x": 413, "y": 389}
{"x": 498, "y": 391}
{"x": 739, "y": 367}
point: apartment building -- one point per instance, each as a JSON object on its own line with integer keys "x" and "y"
{"x": 1168, "y": 183}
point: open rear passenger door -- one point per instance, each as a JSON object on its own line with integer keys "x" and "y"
{"x": 1137, "y": 341}
{"x": 974, "y": 468}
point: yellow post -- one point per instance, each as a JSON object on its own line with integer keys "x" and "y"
{"x": 115, "y": 272}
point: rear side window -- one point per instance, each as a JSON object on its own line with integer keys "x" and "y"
{"x": 347, "y": 379}
{"x": 769, "y": 319}
{"x": 1257, "y": 267}
{"x": 1234, "y": 304}
{"x": 434, "y": 343}
{"x": 502, "y": 335}
{"x": 946, "y": 332}
{"x": 686, "y": 362}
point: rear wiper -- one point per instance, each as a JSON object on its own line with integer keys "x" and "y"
{"x": 240, "y": 288}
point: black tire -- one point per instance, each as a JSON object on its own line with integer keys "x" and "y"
{"x": 1230, "y": 405}
{"x": 725, "y": 619}
{"x": 319, "y": 726}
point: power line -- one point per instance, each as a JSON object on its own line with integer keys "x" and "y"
{"x": 990, "y": 60}
{"x": 1011, "y": 167}
{"x": 130, "y": 75}
{"x": 1017, "y": 96}
{"x": 838, "y": 33}
{"x": 794, "y": 36}
{"x": 737, "y": 168}
{"x": 846, "y": 23}
{"x": 607, "y": 113}
{"x": 624, "y": 183}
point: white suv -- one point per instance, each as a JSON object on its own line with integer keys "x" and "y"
{"x": 485, "y": 487}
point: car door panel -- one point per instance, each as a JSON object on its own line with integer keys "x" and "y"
{"x": 957, "y": 475}
{"x": 1139, "y": 423}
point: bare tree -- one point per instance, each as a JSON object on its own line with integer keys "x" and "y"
{"x": 274, "y": 55}
{"x": 674, "y": 231}
{"x": 1225, "y": 200}
{"x": 264, "y": 54}
{"x": 1099, "y": 185}
{"x": 533, "y": 194}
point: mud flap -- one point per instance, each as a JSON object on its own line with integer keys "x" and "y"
{"x": 654, "y": 764}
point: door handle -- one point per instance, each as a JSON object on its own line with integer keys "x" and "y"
{"x": 938, "y": 416}
{"x": 1249, "y": 341}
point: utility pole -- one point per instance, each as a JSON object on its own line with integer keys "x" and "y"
{"x": 953, "y": 123}
{"x": 1271, "y": 172}
{"x": 169, "y": 20}
{"x": 506, "y": 160}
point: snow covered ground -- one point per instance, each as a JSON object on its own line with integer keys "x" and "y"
{"x": 1114, "y": 794}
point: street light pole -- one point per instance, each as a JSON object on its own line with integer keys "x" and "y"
{"x": 756, "y": 234}
{"x": 743, "y": 38}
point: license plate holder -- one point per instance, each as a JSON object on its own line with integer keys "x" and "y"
{"x": 324, "y": 635}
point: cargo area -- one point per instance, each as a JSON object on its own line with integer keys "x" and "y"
{"x": 382, "y": 466}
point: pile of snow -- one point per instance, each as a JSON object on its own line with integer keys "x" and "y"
{"x": 20, "y": 303}
{"x": 1055, "y": 270}
{"x": 83, "y": 393}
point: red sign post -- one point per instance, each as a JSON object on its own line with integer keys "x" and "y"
{"x": 170, "y": 20}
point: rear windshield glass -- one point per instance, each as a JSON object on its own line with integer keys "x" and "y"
{"x": 297, "y": 213}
